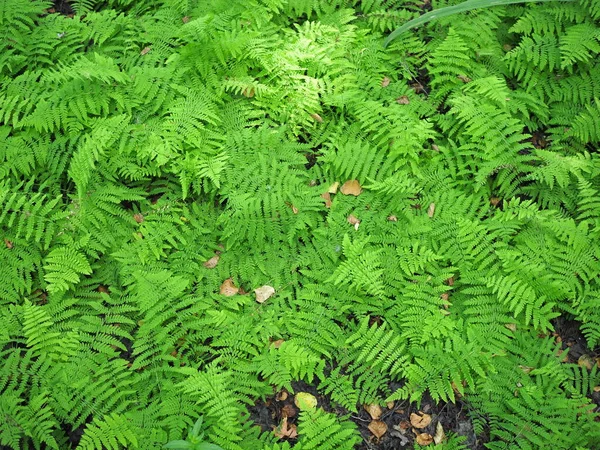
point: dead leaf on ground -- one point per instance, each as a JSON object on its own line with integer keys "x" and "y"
{"x": 374, "y": 410}
{"x": 281, "y": 395}
{"x": 327, "y": 197}
{"x": 248, "y": 92}
{"x": 420, "y": 420}
{"x": 464, "y": 78}
{"x": 305, "y": 400}
{"x": 289, "y": 411}
{"x": 139, "y": 218}
{"x": 285, "y": 431}
{"x": 403, "y": 100}
{"x": 525, "y": 369}
{"x": 185, "y": 19}
{"x": 431, "y": 210}
{"x": 9, "y": 244}
{"x": 228, "y": 289}
{"x": 353, "y": 220}
{"x": 212, "y": 262}
{"x": 277, "y": 343}
{"x": 439, "y": 436}
{"x": 596, "y": 388}
{"x": 403, "y": 426}
{"x": 511, "y": 326}
{"x": 586, "y": 361}
{"x": 424, "y": 439}
{"x": 317, "y": 117}
{"x": 378, "y": 428}
{"x": 385, "y": 82}
{"x": 392, "y": 218}
{"x": 333, "y": 188}
{"x": 145, "y": 50}
{"x": 351, "y": 187}
{"x": 263, "y": 293}
{"x": 390, "y": 405}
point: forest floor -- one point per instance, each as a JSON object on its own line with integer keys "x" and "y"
{"x": 400, "y": 417}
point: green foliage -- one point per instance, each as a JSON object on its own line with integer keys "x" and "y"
{"x": 149, "y": 151}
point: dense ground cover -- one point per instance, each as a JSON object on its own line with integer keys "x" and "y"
{"x": 227, "y": 210}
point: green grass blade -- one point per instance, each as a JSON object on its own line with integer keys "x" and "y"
{"x": 456, "y": 9}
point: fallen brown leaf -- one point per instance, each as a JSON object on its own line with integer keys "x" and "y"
{"x": 424, "y": 439}
{"x": 333, "y": 188}
{"x": 374, "y": 410}
{"x": 9, "y": 244}
{"x": 263, "y": 293}
{"x": 185, "y": 19}
{"x": 385, "y": 82}
{"x": 145, "y": 50}
{"x": 277, "y": 343}
{"x": 392, "y": 218}
{"x": 327, "y": 197}
{"x": 511, "y": 326}
{"x": 288, "y": 410}
{"x": 378, "y": 428}
{"x": 351, "y": 187}
{"x": 281, "y": 395}
{"x": 586, "y": 361}
{"x": 439, "y": 436}
{"x": 431, "y": 210}
{"x": 403, "y": 100}
{"x": 285, "y": 431}
{"x": 228, "y": 289}
{"x": 212, "y": 262}
{"x": 420, "y": 420}
{"x": 317, "y": 117}
{"x": 390, "y": 405}
{"x": 139, "y": 218}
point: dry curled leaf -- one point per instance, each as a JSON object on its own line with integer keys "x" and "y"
{"x": 431, "y": 210}
{"x": 281, "y": 395}
{"x": 464, "y": 78}
{"x": 586, "y": 361}
{"x": 424, "y": 439}
{"x": 317, "y": 117}
{"x": 288, "y": 410}
{"x": 378, "y": 428}
{"x": 385, "y": 82}
{"x": 439, "y": 436}
{"x": 390, "y": 405}
{"x": 228, "y": 289}
{"x": 285, "y": 431}
{"x": 333, "y": 188}
{"x": 392, "y": 218}
{"x": 511, "y": 326}
{"x": 263, "y": 293}
{"x": 374, "y": 410}
{"x": 185, "y": 19}
{"x": 212, "y": 262}
{"x": 327, "y": 197}
{"x": 145, "y": 50}
{"x": 248, "y": 92}
{"x": 351, "y": 187}
{"x": 596, "y": 388}
{"x": 420, "y": 420}
{"x": 277, "y": 343}
{"x": 305, "y": 400}
{"x": 9, "y": 244}
{"x": 139, "y": 218}
{"x": 403, "y": 100}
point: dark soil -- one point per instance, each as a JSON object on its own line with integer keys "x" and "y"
{"x": 454, "y": 417}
